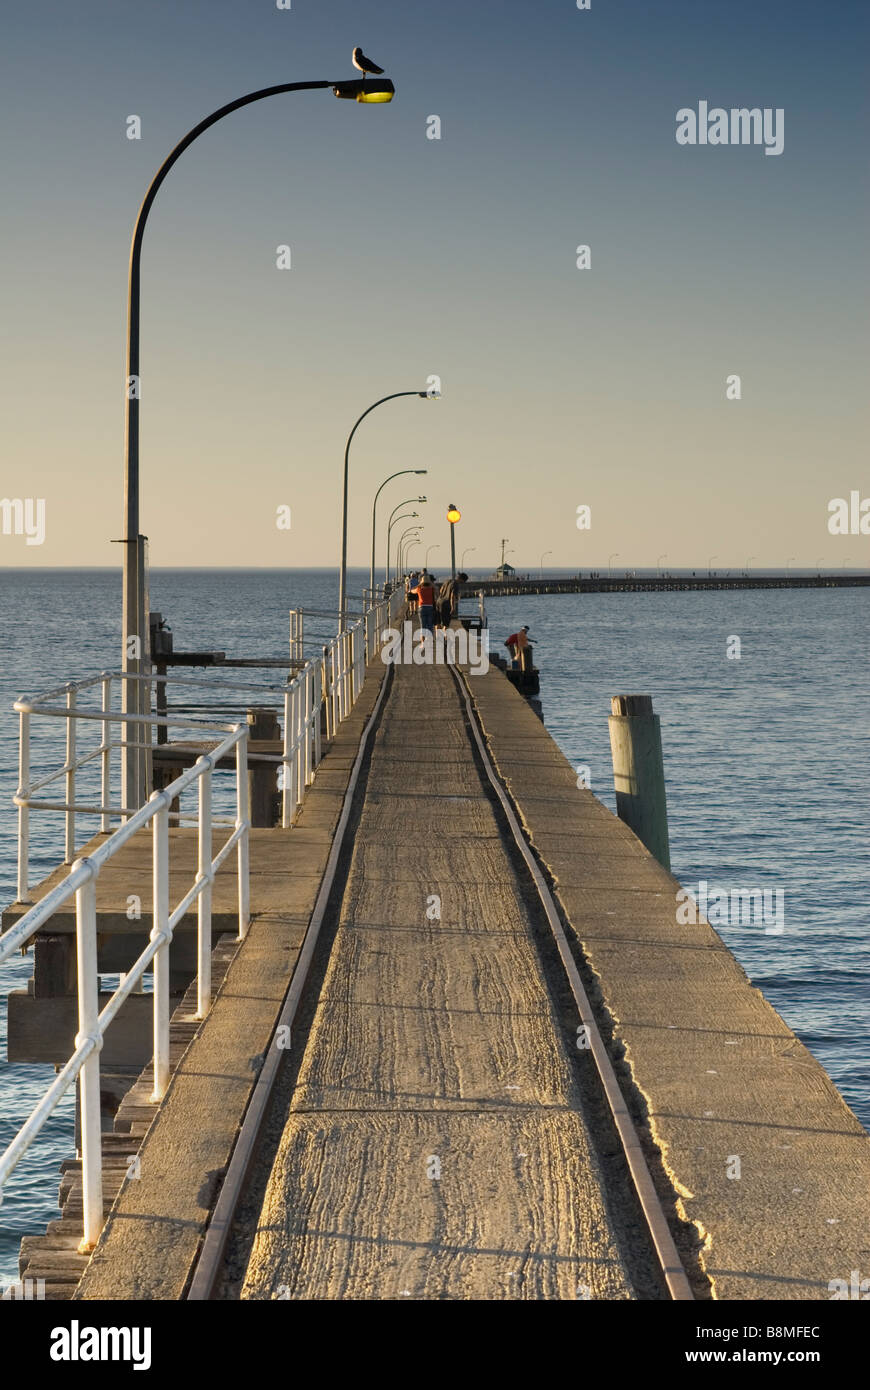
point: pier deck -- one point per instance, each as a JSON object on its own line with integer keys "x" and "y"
{"x": 436, "y": 1145}
{"x": 449, "y": 1038}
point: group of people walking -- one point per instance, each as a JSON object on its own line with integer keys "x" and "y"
{"x": 436, "y": 604}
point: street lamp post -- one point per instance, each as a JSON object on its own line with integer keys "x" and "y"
{"x": 394, "y": 518}
{"x": 710, "y": 565}
{"x": 135, "y": 619}
{"x": 610, "y": 559}
{"x": 543, "y": 558}
{"x": 659, "y": 564}
{"x": 467, "y": 551}
{"x": 400, "y": 474}
{"x": 453, "y": 515}
{"x": 342, "y": 573}
{"x": 400, "y": 556}
{"x": 429, "y": 549}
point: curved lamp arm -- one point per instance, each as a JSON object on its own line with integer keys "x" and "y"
{"x": 342, "y": 574}
{"x": 131, "y": 492}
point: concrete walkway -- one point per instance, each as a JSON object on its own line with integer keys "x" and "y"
{"x": 769, "y": 1161}
{"x": 434, "y": 1146}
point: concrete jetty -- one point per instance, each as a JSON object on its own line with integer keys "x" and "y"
{"x": 439, "y": 1136}
{"x": 435, "y": 1145}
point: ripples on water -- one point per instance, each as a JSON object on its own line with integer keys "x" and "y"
{"x": 766, "y": 760}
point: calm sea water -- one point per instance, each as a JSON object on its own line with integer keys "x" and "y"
{"x": 766, "y": 759}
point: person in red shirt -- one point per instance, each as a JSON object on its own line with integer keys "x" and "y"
{"x": 516, "y": 643}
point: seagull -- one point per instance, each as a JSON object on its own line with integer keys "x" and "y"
{"x": 364, "y": 64}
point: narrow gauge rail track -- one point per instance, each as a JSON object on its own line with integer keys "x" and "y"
{"x": 208, "y": 1272}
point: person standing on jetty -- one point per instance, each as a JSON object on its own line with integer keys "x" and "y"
{"x": 448, "y": 599}
{"x": 425, "y": 594}
{"x": 410, "y": 591}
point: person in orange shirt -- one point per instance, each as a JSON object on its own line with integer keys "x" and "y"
{"x": 425, "y": 592}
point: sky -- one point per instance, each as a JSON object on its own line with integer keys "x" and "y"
{"x": 454, "y": 258}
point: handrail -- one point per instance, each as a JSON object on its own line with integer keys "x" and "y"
{"x": 81, "y": 882}
{"x": 333, "y": 679}
{"x": 329, "y": 682}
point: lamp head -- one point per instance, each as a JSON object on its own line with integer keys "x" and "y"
{"x": 453, "y": 514}
{"x": 370, "y": 93}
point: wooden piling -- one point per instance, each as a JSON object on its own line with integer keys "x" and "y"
{"x": 638, "y": 772}
{"x": 263, "y": 777}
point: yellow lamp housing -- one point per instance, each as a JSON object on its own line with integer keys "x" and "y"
{"x": 373, "y": 92}
{"x": 453, "y": 514}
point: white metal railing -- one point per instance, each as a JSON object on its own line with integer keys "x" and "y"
{"x": 332, "y": 681}
{"x": 81, "y": 882}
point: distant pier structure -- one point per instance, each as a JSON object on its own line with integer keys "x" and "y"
{"x": 630, "y": 583}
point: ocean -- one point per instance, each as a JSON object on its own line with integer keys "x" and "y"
{"x": 766, "y": 746}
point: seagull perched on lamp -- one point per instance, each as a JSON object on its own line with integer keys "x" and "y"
{"x": 364, "y": 64}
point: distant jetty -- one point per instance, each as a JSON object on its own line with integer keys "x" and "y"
{"x": 631, "y": 583}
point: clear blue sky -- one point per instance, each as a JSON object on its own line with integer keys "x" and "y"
{"x": 412, "y": 256}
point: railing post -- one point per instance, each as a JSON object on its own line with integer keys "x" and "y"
{"x": 160, "y": 870}
{"x": 286, "y": 811}
{"x": 334, "y": 683}
{"x": 347, "y": 702}
{"x": 106, "y": 756}
{"x": 338, "y": 647}
{"x": 23, "y": 808}
{"x": 294, "y": 749}
{"x": 70, "y": 816}
{"x": 327, "y": 692}
{"x": 205, "y": 875}
{"x": 243, "y": 819}
{"x": 89, "y": 1076}
{"x": 305, "y": 727}
{"x": 313, "y": 711}
{"x": 299, "y": 758}
{"x": 335, "y": 655}
{"x": 317, "y": 702}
